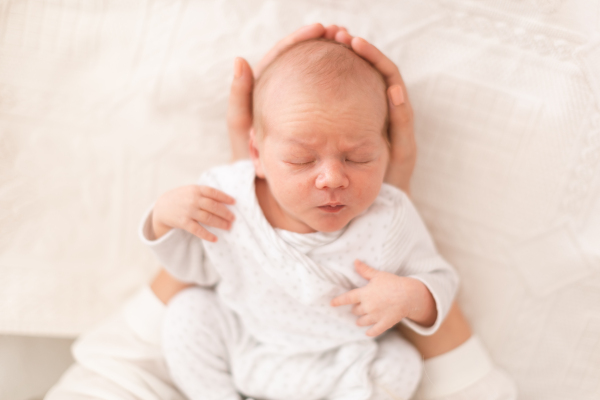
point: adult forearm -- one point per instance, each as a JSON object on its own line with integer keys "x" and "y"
{"x": 165, "y": 286}
{"x": 453, "y": 332}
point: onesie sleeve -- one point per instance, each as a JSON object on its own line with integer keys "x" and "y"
{"x": 180, "y": 253}
{"x": 410, "y": 244}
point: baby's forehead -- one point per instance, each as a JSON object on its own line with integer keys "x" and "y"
{"x": 320, "y": 69}
{"x": 321, "y": 63}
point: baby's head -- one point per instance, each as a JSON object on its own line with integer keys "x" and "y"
{"x": 320, "y": 135}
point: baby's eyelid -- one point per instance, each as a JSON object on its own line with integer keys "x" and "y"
{"x": 359, "y": 162}
{"x": 302, "y": 163}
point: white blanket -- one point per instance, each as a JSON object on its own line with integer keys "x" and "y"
{"x": 276, "y": 286}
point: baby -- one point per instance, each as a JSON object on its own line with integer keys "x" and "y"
{"x": 308, "y": 205}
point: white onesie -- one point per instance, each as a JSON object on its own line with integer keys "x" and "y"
{"x": 268, "y": 330}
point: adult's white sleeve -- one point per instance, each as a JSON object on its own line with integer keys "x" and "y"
{"x": 180, "y": 253}
{"x": 122, "y": 358}
{"x": 411, "y": 243}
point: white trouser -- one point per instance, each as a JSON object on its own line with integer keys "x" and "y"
{"x": 212, "y": 357}
{"x": 122, "y": 359}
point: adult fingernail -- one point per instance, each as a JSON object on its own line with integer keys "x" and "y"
{"x": 307, "y": 28}
{"x": 237, "y": 68}
{"x": 396, "y": 95}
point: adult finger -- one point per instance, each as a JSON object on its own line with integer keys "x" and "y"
{"x": 216, "y": 194}
{"x": 330, "y": 32}
{"x": 343, "y": 36}
{"x": 216, "y": 208}
{"x": 306, "y": 32}
{"x": 388, "y": 69}
{"x": 364, "y": 270}
{"x": 365, "y": 320}
{"x": 239, "y": 109}
{"x": 351, "y": 297}
{"x": 194, "y": 228}
{"x": 401, "y": 130}
{"x": 401, "y": 114}
{"x": 403, "y": 155}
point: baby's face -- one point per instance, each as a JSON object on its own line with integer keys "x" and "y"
{"x": 323, "y": 156}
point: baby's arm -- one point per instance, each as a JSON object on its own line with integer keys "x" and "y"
{"x": 419, "y": 292}
{"x": 387, "y": 299}
{"x": 172, "y": 230}
{"x": 189, "y": 206}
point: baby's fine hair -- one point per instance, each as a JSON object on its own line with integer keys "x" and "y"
{"x": 324, "y": 64}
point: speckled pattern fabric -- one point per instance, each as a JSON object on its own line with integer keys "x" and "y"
{"x": 104, "y": 104}
{"x": 271, "y": 314}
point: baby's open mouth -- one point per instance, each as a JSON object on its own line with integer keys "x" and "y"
{"x": 332, "y": 208}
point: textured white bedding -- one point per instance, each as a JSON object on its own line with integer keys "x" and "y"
{"x": 106, "y": 104}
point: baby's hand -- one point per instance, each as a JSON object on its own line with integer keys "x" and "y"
{"x": 189, "y": 206}
{"x": 387, "y": 299}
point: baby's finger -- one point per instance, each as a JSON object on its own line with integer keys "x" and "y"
{"x": 194, "y": 228}
{"x": 364, "y": 270}
{"x": 358, "y": 310}
{"x": 378, "y": 328}
{"x": 217, "y": 208}
{"x": 306, "y": 32}
{"x": 215, "y": 194}
{"x": 351, "y": 297}
{"x": 365, "y": 320}
{"x": 209, "y": 219}
{"x": 330, "y": 32}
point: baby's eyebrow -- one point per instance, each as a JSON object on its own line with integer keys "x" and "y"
{"x": 364, "y": 144}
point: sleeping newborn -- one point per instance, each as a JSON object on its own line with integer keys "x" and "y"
{"x": 309, "y": 203}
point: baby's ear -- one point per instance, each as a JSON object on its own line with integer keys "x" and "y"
{"x": 254, "y": 154}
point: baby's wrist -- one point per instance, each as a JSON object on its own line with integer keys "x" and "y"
{"x": 422, "y": 309}
{"x": 158, "y": 229}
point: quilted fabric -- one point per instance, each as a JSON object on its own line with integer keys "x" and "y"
{"x": 104, "y": 104}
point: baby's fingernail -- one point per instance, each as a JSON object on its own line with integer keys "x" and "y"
{"x": 396, "y": 95}
{"x": 237, "y": 68}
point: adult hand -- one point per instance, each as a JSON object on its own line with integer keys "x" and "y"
{"x": 239, "y": 111}
{"x": 401, "y": 129}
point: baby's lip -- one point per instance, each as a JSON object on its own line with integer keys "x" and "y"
{"x": 333, "y": 207}
{"x": 332, "y": 204}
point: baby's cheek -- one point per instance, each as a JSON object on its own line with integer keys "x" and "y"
{"x": 291, "y": 192}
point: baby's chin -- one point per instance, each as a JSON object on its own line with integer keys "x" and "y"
{"x": 329, "y": 224}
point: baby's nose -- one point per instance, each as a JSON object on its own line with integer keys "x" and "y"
{"x": 332, "y": 175}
